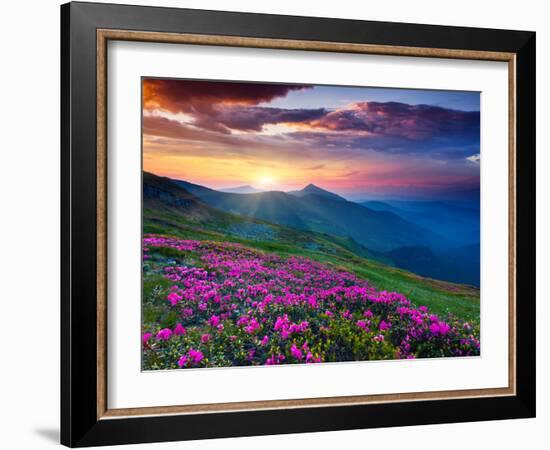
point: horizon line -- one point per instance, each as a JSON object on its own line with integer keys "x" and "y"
{"x": 363, "y": 195}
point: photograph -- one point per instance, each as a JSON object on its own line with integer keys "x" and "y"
{"x": 306, "y": 224}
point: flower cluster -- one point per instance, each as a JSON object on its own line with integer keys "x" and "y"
{"x": 224, "y": 304}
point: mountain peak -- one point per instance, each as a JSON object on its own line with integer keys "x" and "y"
{"x": 312, "y": 189}
{"x": 311, "y": 186}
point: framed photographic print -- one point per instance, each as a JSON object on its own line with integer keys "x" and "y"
{"x": 276, "y": 224}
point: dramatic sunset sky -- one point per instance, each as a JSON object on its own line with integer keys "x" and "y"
{"x": 361, "y": 143}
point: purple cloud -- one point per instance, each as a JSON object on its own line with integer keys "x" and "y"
{"x": 415, "y": 122}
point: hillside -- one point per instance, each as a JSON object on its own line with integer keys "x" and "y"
{"x": 460, "y": 265}
{"x": 170, "y": 210}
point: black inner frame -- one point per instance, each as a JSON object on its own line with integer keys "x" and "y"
{"x": 79, "y": 423}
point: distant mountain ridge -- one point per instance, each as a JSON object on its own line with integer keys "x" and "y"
{"x": 459, "y": 221}
{"x": 246, "y": 189}
{"x": 318, "y": 210}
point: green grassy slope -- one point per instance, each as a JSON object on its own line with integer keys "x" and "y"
{"x": 170, "y": 210}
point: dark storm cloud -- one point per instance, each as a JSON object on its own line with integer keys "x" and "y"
{"x": 195, "y": 95}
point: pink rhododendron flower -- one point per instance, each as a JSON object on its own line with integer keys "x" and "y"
{"x": 296, "y": 352}
{"x": 146, "y": 337}
{"x": 252, "y": 326}
{"x": 312, "y": 301}
{"x": 196, "y": 356}
{"x": 179, "y": 330}
{"x": 182, "y": 361}
{"x": 439, "y": 328}
{"x": 205, "y": 338}
{"x": 174, "y": 298}
{"x": 214, "y": 320}
{"x": 280, "y": 322}
{"x": 243, "y": 320}
{"x": 384, "y": 325}
{"x": 265, "y": 340}
{"x": 164, "y": 334}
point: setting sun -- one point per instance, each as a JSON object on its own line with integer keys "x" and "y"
{"x": 265, "y": 180}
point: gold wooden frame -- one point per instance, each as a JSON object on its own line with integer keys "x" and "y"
{"x": 103, "y": 36}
